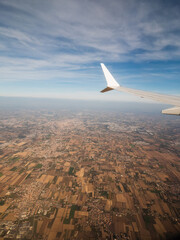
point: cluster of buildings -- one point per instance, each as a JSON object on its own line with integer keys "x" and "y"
{"x": 88, "y": 176}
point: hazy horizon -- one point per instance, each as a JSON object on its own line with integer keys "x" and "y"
{"x": 78, "y": 105}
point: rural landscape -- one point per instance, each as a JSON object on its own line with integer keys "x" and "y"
{"x": 88, "y": 174}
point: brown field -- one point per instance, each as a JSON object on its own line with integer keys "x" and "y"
{"x": 10, "y": 217}
{"x": 67, "y": 164}
{"x": 156, "y": 207}
{"x": 135, "y": 227}
{"x": 21, "y": 144}
{"x": 31, "y": 165}
{"x": 60, "y": 179}
{"x": 160, "y": 228}
{"x": 52, "y": 235}
{"x": 45, "y": 178}
{"x": 57, "y": 225}
{"x": 120, "y": 197}
{"x": 39, "y": 223}
{"x": 68, "y": 227}
{"x": 4, "y": 207}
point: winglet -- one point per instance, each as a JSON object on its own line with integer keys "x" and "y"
{"x": 107, "y": 89}
{"x": 172, "y": 111}
{"x": 111, "y": 82}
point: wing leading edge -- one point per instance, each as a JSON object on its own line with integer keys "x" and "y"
{"x": 167, "y": 99}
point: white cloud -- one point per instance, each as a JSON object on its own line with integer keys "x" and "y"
{"x": 43, "y": 39}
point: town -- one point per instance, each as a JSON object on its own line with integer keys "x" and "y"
{"x": 88, "y": 175}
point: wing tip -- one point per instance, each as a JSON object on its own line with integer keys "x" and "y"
{"x": 107, "y": 89}
{"x": 172, "y": 111}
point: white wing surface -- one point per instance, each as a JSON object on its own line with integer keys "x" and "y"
{"x": 167, "y": 99}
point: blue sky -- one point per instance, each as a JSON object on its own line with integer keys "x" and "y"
{"x": 54, "y": 48}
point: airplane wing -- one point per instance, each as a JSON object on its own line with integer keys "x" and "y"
{"x": 167, "y": 99}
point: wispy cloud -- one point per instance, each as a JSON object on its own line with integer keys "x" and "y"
{"x": 63, "y": 39}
